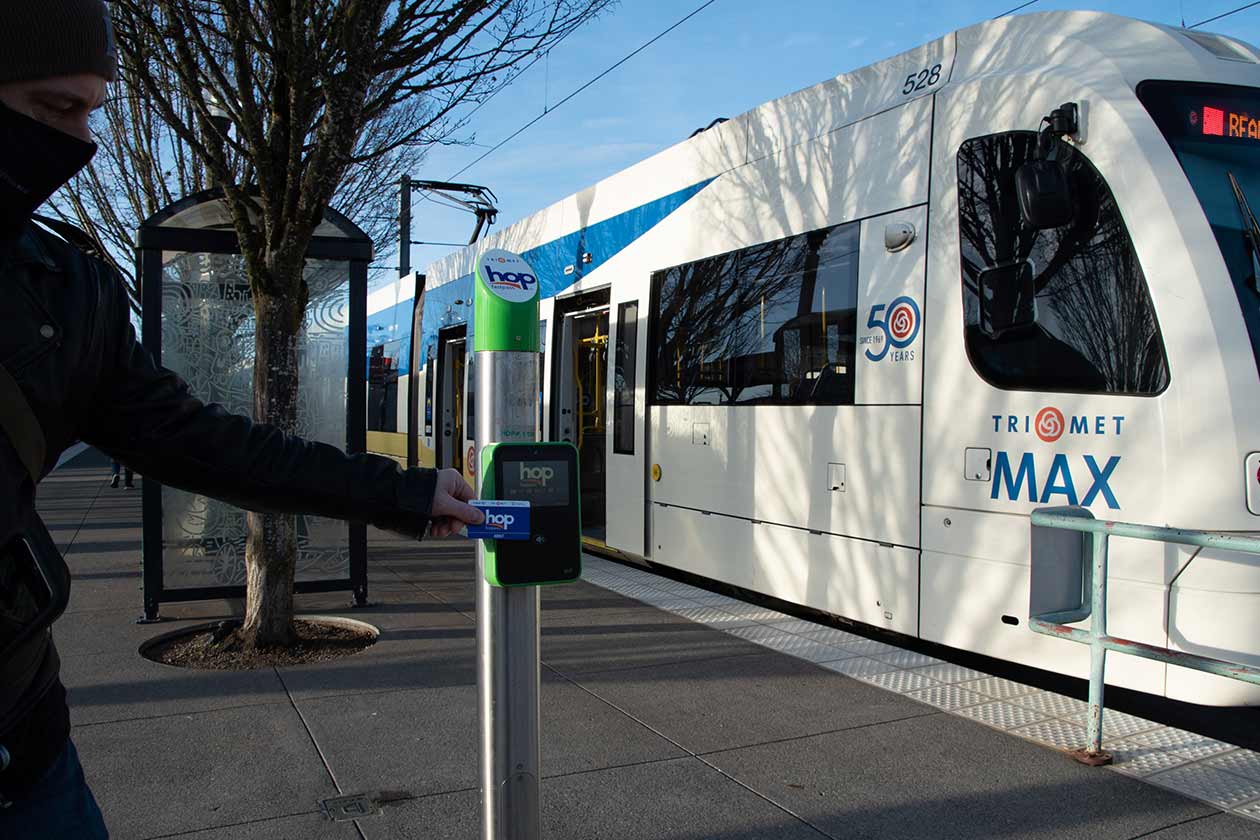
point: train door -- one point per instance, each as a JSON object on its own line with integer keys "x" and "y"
{"x": 579, "y": 401}
{"x": 627, "y": 430}
{"x": 545, "y": 313}
{"x": 452, "y": 364}
{"x": 1044, "y": 386}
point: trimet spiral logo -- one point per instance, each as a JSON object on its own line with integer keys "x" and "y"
{"x": 903, "y": 323}
{"x": 1049, "y": 424}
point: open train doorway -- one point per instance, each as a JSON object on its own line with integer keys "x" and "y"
{"x": 580, "y": 400}
{"x": 451, "y": 390}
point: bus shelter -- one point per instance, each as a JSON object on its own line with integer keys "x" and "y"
{"x": 198, "y": 320}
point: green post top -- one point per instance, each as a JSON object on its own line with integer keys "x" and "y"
{"x": 505, "y": 303}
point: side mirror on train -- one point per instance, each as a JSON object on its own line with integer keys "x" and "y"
{"x": 1008, "y": 298}
{"x": 1045, "y": 197}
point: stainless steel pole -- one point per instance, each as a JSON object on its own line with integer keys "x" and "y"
{"x": 507, "y": 624}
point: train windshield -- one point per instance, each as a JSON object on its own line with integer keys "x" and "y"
{"x": 1215, "y": 132}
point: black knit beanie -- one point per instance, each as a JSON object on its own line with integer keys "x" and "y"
{"x": 44, "y": 38}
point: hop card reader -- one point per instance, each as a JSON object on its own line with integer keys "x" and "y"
{"x": 545, "y": 477}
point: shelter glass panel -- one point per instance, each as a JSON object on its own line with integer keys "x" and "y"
{"x": 208, "y": 339}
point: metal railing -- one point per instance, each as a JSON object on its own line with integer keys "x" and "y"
{"x": 1078, "y": 590}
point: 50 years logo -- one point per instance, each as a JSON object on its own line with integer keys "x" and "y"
{"x": 896, "y": 330}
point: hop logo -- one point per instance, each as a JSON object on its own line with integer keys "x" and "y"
{"x": 499, "y": 521}
{"x": 1049, "y": 424}
{"x": 535, "y": 476}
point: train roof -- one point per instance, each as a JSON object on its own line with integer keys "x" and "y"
{"x": 1092, "y": 48}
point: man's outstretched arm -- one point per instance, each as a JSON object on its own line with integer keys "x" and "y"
{"x": 146, "y": 417}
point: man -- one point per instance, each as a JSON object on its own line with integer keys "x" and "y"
{"x": 66, "y": 340}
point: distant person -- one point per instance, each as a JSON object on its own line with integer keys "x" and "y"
{"x": 70, "y": 352}
{"x": 118, "y": 470}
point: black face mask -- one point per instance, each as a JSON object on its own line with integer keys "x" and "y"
{"x": 35, "y": 161}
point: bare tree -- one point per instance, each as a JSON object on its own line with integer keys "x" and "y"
{"x": 327, "y": 98}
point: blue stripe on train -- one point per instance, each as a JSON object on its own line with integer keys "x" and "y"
{"x": 451, "y": 303}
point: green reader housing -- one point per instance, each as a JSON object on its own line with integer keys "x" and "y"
{"x": 546, "y": 476}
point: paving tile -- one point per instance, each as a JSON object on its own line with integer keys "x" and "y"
{"x": 125, "y": 686}
{"x": 672, "y": 800}
{"x": 311, "y": 826}
{"x": 425, "y": 741}
{"x": 1251, "y": 810}
{"x": 858, "y": 666}
{"x": 606, "y": 612}
{"x": 1141, "y": 760}
{"x": 715, "y": 599}
{"x": 112, "y": 592}
{"x": 965, "y": 781}
{"x": 1000, "y": 714}
{"x": 1210, "y": 784}
{"x": 1188, "y": 744}
{"x": 634, "y": 639}
{"x": 199, "y": 771}
{"x": 899, "y": 681}
{"x": 115, "y": 631}
{"x": 680, "y": 588}
{"x": 868, "y": 647}
{"x": 765, "y": 615}
{"x": 998, "y": 688}
{"x": 832, "y": 636}
{"x": 721, "y": 703}
{"x": 441, "y": 651}
{"x": 806, "y": 649}
{"x": 1056, "y": 733}
{"x": 668, "y": 601}
{"x": 947, "y": 697}
{"x": 947, "y": 672}
{"x": 904, "y": 658}
{"x": 1117, "y": 724}
{"x": 760, "y": 633}
{"x": 1053, "y": 705}
{"x": 713, "y": 616}
{"x": 800, "y": 626}
{"x": 1240, "y": 762}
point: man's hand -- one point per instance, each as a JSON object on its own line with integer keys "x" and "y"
{"x": 450, "y": 512}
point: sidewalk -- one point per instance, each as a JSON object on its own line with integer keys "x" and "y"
{"x": 654, "y": 726}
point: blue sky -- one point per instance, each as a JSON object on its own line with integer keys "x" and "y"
{"x": 733, "y": 56}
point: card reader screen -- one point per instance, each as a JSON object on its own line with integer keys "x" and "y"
{"x": 541, "y": 483}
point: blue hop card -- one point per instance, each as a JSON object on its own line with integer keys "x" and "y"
{"x": 504, "y": 521}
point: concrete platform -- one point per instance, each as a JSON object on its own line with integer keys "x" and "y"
{"x": 668, "y": 712}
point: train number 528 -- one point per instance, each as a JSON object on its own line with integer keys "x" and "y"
{"x": 923, "y": 79}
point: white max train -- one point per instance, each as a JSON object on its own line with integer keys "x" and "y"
{"x": 836, "y": 349}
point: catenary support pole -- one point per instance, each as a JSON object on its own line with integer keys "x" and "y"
{"x": 404, "y": 226}
{"x": 506, "y": 345}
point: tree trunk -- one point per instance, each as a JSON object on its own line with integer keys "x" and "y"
{"x": 271, "y": 547}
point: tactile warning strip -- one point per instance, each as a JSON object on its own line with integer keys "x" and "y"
{"x": 1193, "y": 765}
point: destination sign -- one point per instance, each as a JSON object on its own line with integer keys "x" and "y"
{"x": 1214, "y": 121}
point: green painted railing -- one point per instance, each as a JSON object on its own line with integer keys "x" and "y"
{"x": 1093, "y": 602}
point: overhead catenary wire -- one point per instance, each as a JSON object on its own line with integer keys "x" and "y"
{"x": 1242, "y": 8}
{"x": 1014, "y": 10}
{"x": 592, "y": 81}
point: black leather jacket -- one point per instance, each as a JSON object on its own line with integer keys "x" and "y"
{"x": 66, "y": 337}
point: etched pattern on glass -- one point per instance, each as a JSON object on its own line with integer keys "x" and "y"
{"x": 208, "y": 339}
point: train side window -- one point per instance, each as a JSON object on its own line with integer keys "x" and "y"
{"x": 383, "y": 386}
{"x": 771, "y": 324}
{"x": 624, "y": 377}
{"x": 1089, "y": 326}
{"x": 542, "y": 369}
